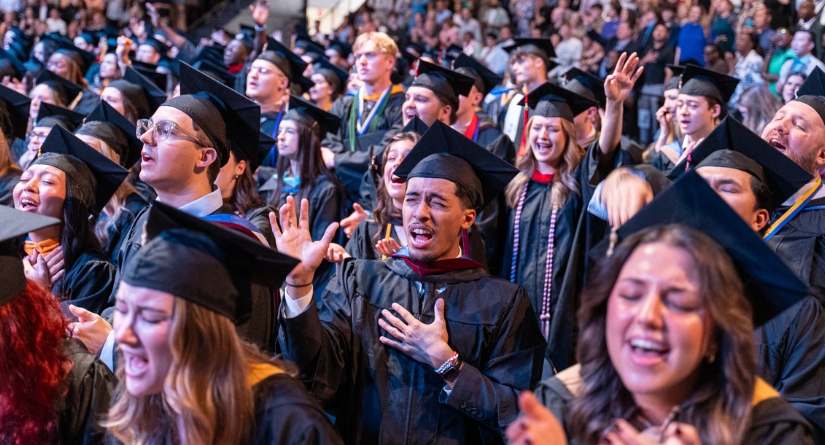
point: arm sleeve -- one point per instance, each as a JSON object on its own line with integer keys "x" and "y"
{"x": 90, "y": 285}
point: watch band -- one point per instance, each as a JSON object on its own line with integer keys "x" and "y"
{"x": 449, "y": 367}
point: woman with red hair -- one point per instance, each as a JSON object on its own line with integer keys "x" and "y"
{"x": 52, "y": 390}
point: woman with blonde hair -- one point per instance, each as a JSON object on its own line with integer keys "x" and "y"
{"x": 758, "y": 106}
{"x": 185, "y": 375}
{"x": 547, "y": 199}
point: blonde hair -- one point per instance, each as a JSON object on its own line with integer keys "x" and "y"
{"x": 207, "y": 380}
{"x": 564, "y": 181}
{"x": 384, "y": 42}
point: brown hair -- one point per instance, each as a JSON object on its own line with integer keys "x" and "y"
{"x": 207, "y": 380}
{"x": 564, "y": 182}
{"x": 245, "y": 195}
{"x": 5, "y": 155}
{"x": 720, "y": 405}
{"x": 384, "y": 209}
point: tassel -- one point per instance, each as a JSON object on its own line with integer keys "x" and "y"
{"x": 614, "y": 238}
{"x": 522, "y": 150}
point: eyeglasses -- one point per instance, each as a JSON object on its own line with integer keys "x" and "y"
{"x": 163, "y": 130}
{"x": 38, "y": 136}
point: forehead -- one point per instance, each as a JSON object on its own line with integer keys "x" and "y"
{"x": 662, "y": 261}
{"x": 40, "y": 169}
{"x": 799, "y": 109}
{"x": 146, "y": 297}
{"x": 400, "y": 147}
{"x": 415, "y": 90}
{"x": 543, "y": 120}
{"x": 688, "y": 97}
{"x": 260, "y": 63}
{"x": 711, "y": 173}
{"x": 111, "y": 92}
{"x": 165, "y": 113}
{"x": 443, "y": 187}
{"x": 40, "y": 90}
{"x": 367, "y": 47}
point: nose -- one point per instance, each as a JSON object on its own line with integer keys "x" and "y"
{"x": 122, "y": 325}
{"x": 650, "y": 310}
{"x": 422, "y": 212}
{"x": 148, "y": 138}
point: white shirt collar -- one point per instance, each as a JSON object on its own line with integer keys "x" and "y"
{"x": 205, "y": 205}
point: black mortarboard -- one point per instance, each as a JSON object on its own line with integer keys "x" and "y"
{"x": 18, "y": 107}
{"x": 445, "y": 83}
{"x": 218, "y": 72}
{"x": 309, "y": 46}
{"x": 342, "y": 76}
{"x": 343, "y": 49}
{"x": 413, "y": 51}
{"x": 247, "y": 34}
{"x": 538, "y": 47}
{"x": 99, "y": 180}
{"x": 91, "y": 37}
{"x": 265, "y": 144}
{"x": 72, "y": 90}
{"x": 485, "y": 80}
{"x": 415, "y": 125}
{"x": 697, "y": 81}
{"x": 13, "y": 224}
{"x": 157, "y": 45}
{"x": 585, "y": 84}
{"x": 769, "y": 285}
{"x": 204, "y": 263}
{"x": 154, "y": 95}
{"x": 19, "y": 67}
{"x": 150, "y": 71}
{"x": 126, "y": 143}
{"x": 447, "y": 154}
{"x": 782, "y": 176}
{"x": 812, "y": 91}
{"x": 453, "y": 51}
{"x": 225, "y": 115}
{"x": 19, "y": 51}
{"x": 288, "y": 62}
{"x": 308, "y": 114}
{"x": 50, "y": 115}
{"x": 213, "y": 53}
{"x": 65, "y": 46}
{"x": 550, "y": 100}
{"x": 673, "y": 83}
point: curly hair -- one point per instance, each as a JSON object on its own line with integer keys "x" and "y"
{"x": 720, "y": 405}
{"x": 33, "y": 366}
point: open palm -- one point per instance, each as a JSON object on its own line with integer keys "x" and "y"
{"x": 292, "y": 237}
{"x": 618, "y": 85}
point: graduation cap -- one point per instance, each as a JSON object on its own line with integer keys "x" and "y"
{"x": 673, "y": 83}
{"x": 69, "y": 89}
{"x": 343, "y": 49}
{"x": 149, "y": 71}
{"x": 18, "y": 107}
{"x": 309, "y": 46}
{"x": 50, "y": 115}
{"x": 812, "y": 91}
{"x": 19, "y": 67}
{"x": 697, "y": 81}
{"x": 91, "y": 37}
{"x": 204, "y": 263}
{"x": 447, "y": 154}
{"x": 288, "y": 62}
{"x": 105, "y": 123}
{"x": 415, "y": 125}
{"x": 452, "y": 52}
{"x": 154, "y": 95}
{"x": 18, "y": 51}
{"x": 332, "y": 73}
{"x": 225, "y": 115}
{"x": 66, "y": 47}
{"x": 446, "y": 84}
{"x": 550, "y": 100}
{"x": 13, "y": 224}
{"x": 485, "y": 80}
{"x": 265, "y": 144}
{"x": 308, "y": 114}
{"x": 733, "y": 145}
{"x": 246, "y": 34}
{"x": 215, "y": 71}
{"x": 585, "y": 84}
{"x": 157, "y": 45}
{"x": 413, "y": 51}
{"x": 538, "y": 47}
{"x": 93, "y": 172}
{"x": 770, "y": 285}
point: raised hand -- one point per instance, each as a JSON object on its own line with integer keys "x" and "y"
{"x": 292, "y": 237}
{"x": 153, "y": 14}
{"x": 89, "y": 328}
{"x": 618, "y": 85}
{"x": 351, "y": 222}
{"x": 260, "y": 12}
{"x": 536, "y": 426}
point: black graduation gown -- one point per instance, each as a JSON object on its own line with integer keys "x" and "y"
{"x": 90, "y": 281}
{"x": 90, "y": 385}
{"x": 87, "y": 103}
{"x": 261, "y": 327}
{"x": 259, "y": 217}
{"x": 7, "y": 183}
{"x": 658, "y": 160}
{"x": 378, "y": 394}
{"x": 361, "y": 245}
{"x": 285, "y": 414}
{"x": 133, "y": 205}
{"x": 791, "y": 353}
{"x": 496, "y": 142}
{"x": 773, "y": 421}
{"x": 268, "y": 121}
{"x": 350, "y": 166}
{"x": 575, "y": 232}
{"x": 801, "y": 243}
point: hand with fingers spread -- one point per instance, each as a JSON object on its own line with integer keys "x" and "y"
{"x": 292, "y": 237}
{"x": 536, "y": 426}
{"x": 351, "y": 222}
{"x": 387, "y": 247}
{"x": 336, "y": 253}
{"x": 618, "y": 85}
{"x": 89, "y": 328}
{"x": 260, "y": 12}
{"x": 425, "y": 343}
{"x": 153, "y": 14}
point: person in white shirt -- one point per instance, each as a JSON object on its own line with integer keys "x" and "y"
{"x": 568, "y": 52}
{"x": 492, "y": 55}
{"x": 802, "y": 45}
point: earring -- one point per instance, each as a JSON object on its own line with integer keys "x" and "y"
{"x": 711, "y": 359}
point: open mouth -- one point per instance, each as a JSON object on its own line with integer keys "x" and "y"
{"x": 397, "y": 180}
{"x": 145, "y": 157}
{"x": 543, "y": 149}
{"x": 28, "y": 204}
{"x": 776, "y": 143}
{"x": 421, "y": 236}
{"x": 135, "y": 365}
{"x": 647, "y": 351}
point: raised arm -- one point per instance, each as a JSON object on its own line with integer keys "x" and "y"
{"x": 617, "y": 87}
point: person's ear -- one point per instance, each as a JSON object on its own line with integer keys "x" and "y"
{"x": 760, "y": 219}
{"x": 445, "y": 114}
{"x": 240, "y": 167}
{"x": 469, "y": 218}
{"x": 207, "y": 157}
{"x": 717, "y": 111}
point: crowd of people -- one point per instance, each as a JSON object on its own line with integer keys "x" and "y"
{"x": 604, "y": 223}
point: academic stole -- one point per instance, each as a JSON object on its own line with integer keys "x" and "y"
{"x": 546, "y": 296}
{"x": 357, "y": 126}
{"x": 798, "y": 206}
{"x": 472, "y": 130}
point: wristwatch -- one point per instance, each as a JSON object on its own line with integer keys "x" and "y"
{"x": 450, "y": 367}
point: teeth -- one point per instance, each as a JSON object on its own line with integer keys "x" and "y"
{"x": 419, "y": 232}
{"x": 648, "y": 345}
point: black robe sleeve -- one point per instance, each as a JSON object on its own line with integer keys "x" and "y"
{"x": 117, "y": 231}
{"x": 285, "y": 414}
{"x": 791, "y": 352}
{"x": 90, "y": 387}
{"x": 7, "y": 183}
{"x": 90, "y": 282}
{"x": 801, "y": 244}
{"x": 775, "y": 422}
{"x": 361, "y": 245}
